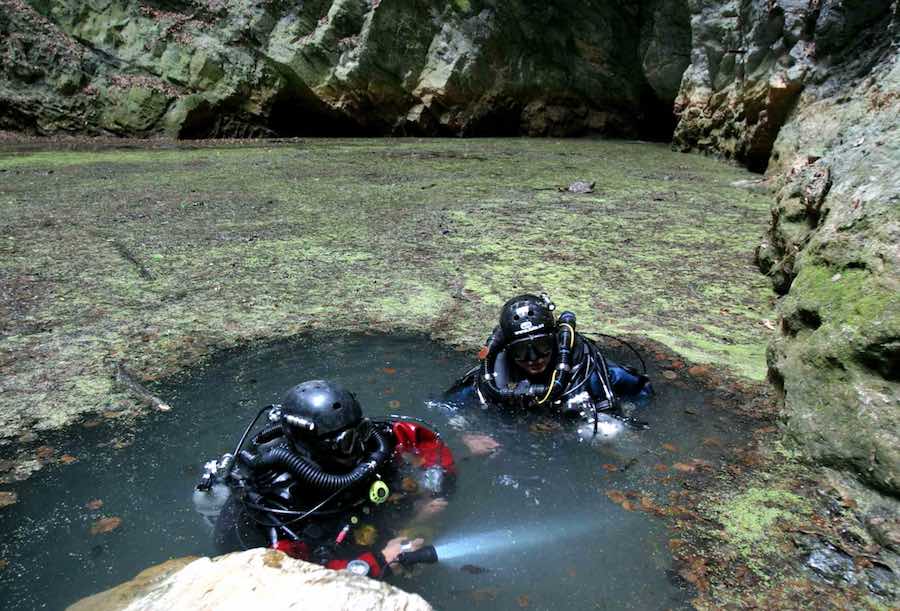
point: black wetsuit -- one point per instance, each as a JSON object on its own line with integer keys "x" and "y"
{"x": 350, "y": 526}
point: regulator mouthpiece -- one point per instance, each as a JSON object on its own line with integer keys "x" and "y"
{"x": 426, "y": 555}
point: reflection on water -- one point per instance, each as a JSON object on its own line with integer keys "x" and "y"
{"x": 541, "y": 522}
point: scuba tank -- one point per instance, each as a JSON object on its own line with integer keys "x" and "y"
{"x": 212, "y": 493}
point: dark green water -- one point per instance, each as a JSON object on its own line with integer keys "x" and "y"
{"x": 534, "y": 517}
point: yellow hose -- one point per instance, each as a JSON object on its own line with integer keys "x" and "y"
{"x": 549, "y": 388}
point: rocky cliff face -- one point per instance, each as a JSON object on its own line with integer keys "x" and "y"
{"x": 262, "y": 67}
{"x": 811, "y": 90}
{"x": 834, "y": 246}
{"x": 752, "y": 59}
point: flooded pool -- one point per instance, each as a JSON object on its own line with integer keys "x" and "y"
{"x": 552, "y": 519}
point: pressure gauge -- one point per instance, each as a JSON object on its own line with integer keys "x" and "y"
{"x": 358, "y": 567}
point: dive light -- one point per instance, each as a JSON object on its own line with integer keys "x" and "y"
{"x": 426, "y": 554}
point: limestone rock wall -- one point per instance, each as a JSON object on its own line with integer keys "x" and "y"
{"x": 834, "y": 248}
{"x": 255, "y": 67}
{"x": 810, "y": 90}
{"x": 752, "y": 59}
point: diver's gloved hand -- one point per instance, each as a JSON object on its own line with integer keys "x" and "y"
{"x": 399, "y": 545}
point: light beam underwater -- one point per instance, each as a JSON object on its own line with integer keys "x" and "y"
{"x": 520, "y": 537}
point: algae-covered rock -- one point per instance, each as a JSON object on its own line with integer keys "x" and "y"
{"x": 45, "y": 75}
{"x": 133, "y": 108}
{"x": 833, "y": 248}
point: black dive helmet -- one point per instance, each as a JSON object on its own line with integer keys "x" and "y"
{"x": 317, "y": 414}
{"x": 317, "y": 410}
{"x": 523, "y": 317}
{"x": 527, "y": 315}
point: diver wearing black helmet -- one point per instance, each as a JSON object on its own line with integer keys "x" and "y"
{"x": 534, "y": 359}
{"x": 311, "y": 483}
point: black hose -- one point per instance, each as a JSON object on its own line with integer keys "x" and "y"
{"x": 486, "y": 379}
{"x": 565, "y": 336}
{"x": 626, "y": 344}
{"x": 298, "y": 515}
{"x": 314, "y": 475}
{"x": 250, "y": 426}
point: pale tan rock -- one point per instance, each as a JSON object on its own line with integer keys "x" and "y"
{"x": 254, "y": 579}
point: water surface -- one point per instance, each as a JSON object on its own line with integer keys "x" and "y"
{"x": 539, "y": 523}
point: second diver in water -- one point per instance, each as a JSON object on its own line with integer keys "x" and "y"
{"x": 535, "y": 360}
{"x": 315, "y": 483}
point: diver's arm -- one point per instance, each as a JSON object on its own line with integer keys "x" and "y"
{"x": 626, "y": 383}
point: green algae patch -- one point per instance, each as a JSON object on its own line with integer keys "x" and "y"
{"x": 840, "y": 350}
{"x": 749, "y": 518}
{"x": 851, "y": 297}
{"x": 158, "y": 258}
{"x": 776, "y": 522}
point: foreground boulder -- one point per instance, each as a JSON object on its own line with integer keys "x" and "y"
{"x": 254, "y": 579}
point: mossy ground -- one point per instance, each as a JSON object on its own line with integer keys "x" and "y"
{"x": 160, "y": 257}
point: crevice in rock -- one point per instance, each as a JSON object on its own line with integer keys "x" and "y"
{"x": 291, "y": 116}
{"x": 802, "y": 319}
{"x": 659, "y": 120}
{"x": 776, "y": 379}
{"x": 884, "y": 358}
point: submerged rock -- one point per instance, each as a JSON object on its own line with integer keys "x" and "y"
{"x": 580, "y": 186}
{"x": 253, "y": 579}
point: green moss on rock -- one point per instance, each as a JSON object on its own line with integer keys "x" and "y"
{"x": 133, "y": 109}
